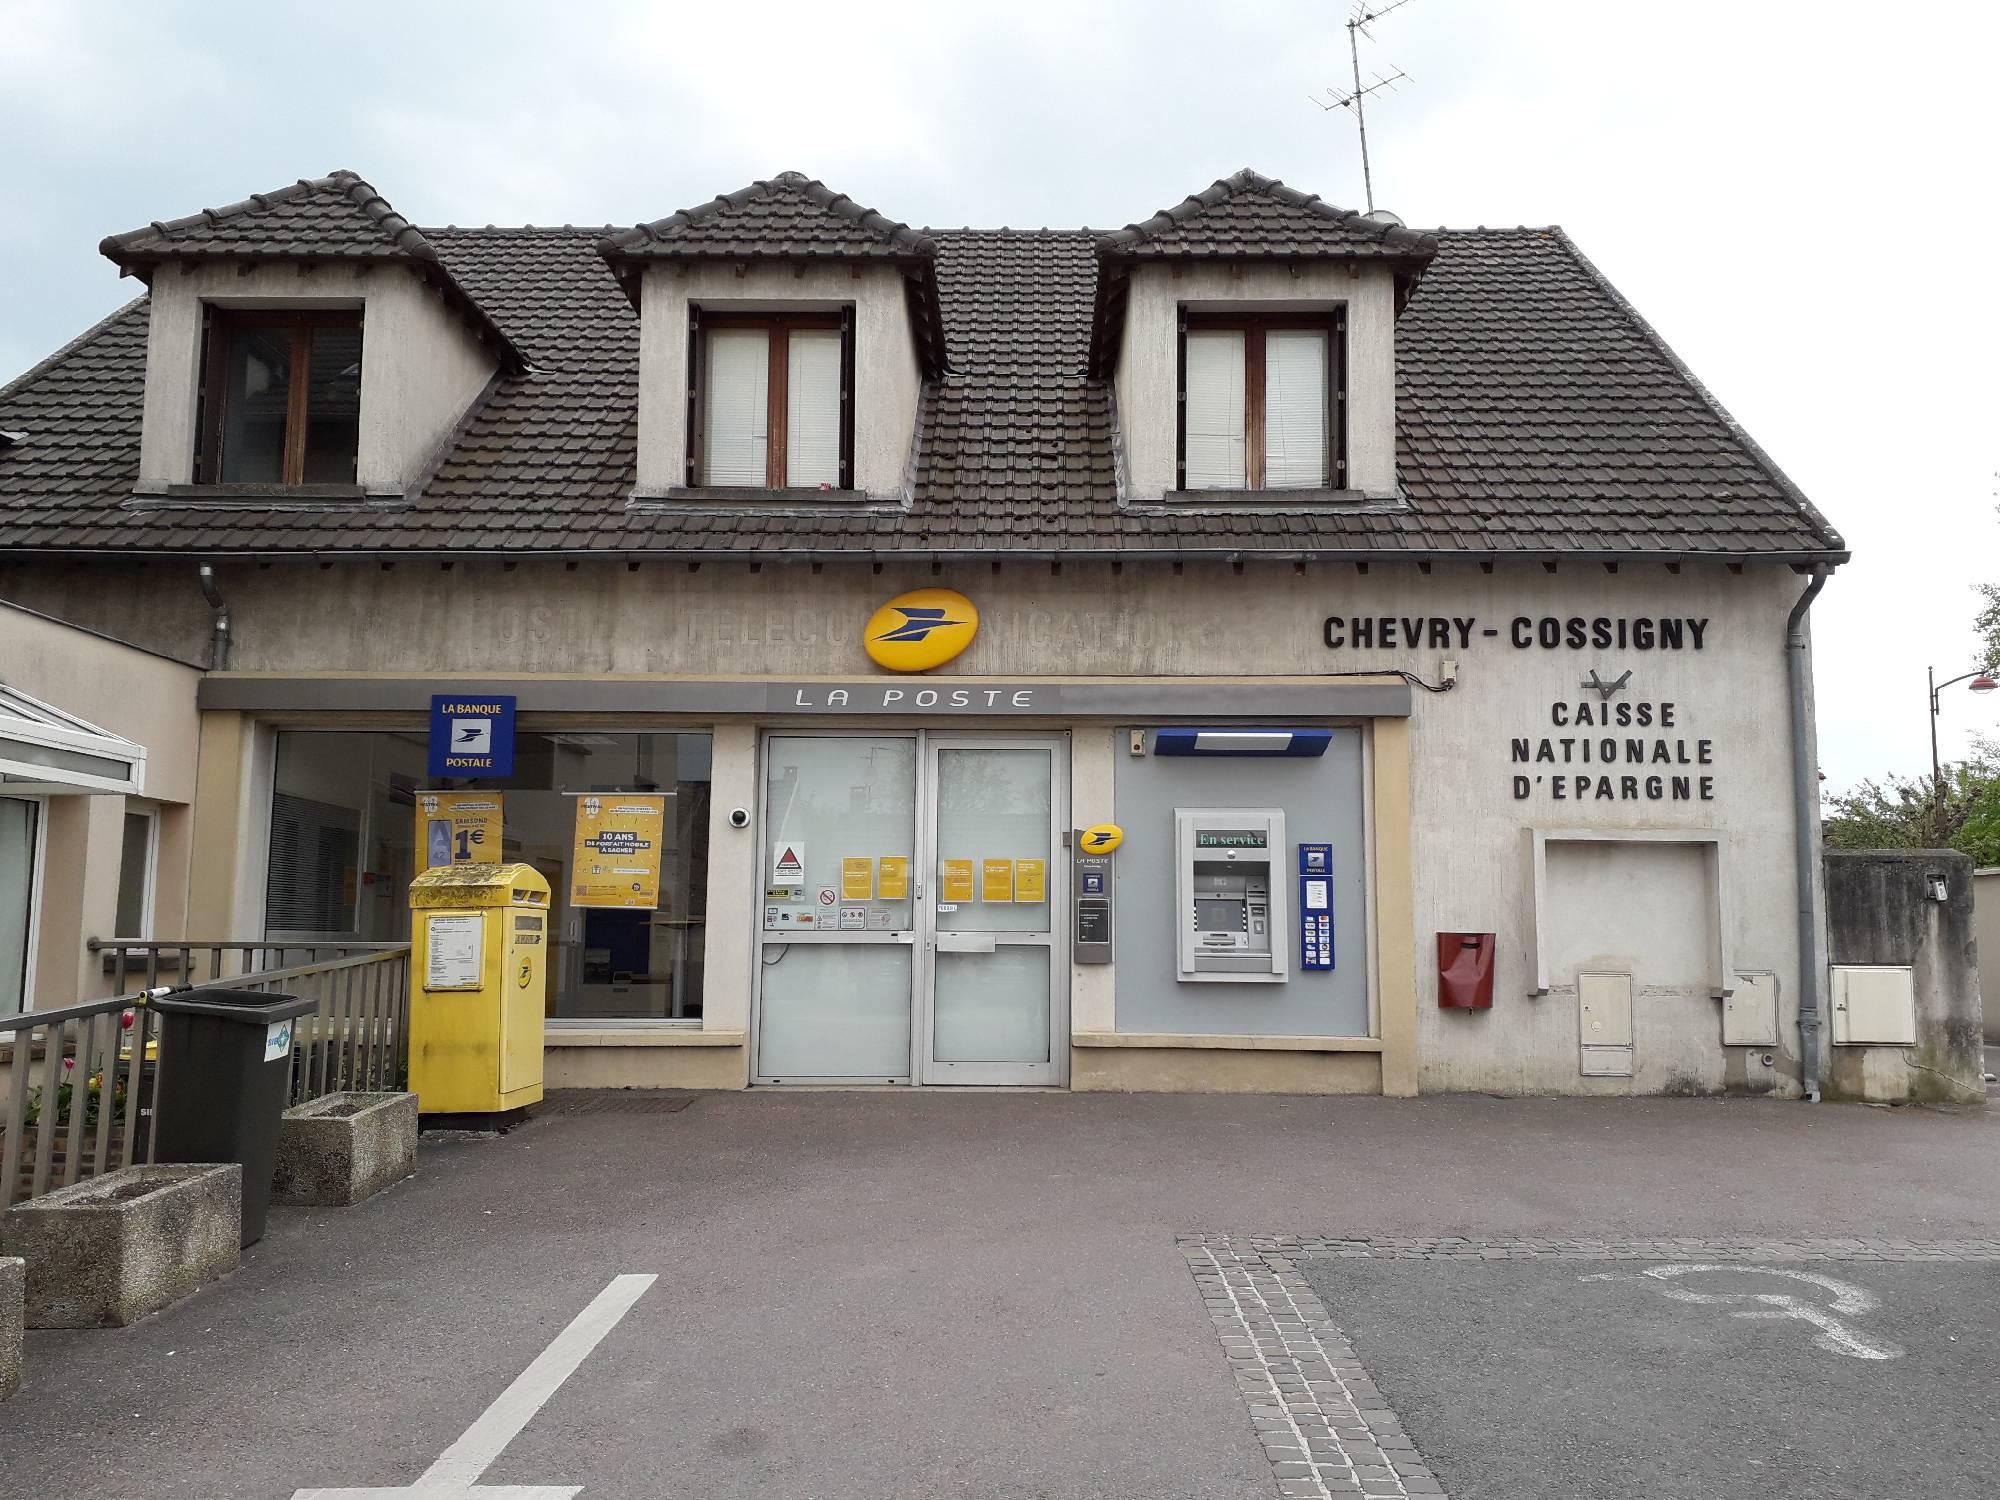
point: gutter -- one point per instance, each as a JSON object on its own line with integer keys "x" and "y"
{"x": 1816, "y": 559}
{"x": 218, "y": 639}
{"x": 1805, "y": 795}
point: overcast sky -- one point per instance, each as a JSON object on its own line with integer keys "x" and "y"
{"x": 1800, "y": 196}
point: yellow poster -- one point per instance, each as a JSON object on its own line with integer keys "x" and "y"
{"x": 618, "y": 838}
{"x": 895, "y": 878}
{"x": 857, "y": 879}
{"x": 956, "y": 884}
{"x": 997, "y": 882}
{"x": 1031, "y": 880}
{"x": 458, "y": 828}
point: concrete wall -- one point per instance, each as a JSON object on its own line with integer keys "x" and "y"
{"x": 1147, "y": 377}
{"x": 1986, "y": 921}
{"x": 1879, "y": 911}
{"x": 887, "y": 381}
{"x": 150, "y": 701}
{"x": 1457, "y": 859}
{"x": 420, "y": 367}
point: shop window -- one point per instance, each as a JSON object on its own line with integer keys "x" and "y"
{"x": 344, "y": 848}
{"x": 17, "y": 900}
{"x": 769, "y": 400}
{"x": 1261, "y": 402}
{"x": 136, "y": 868}
{"x": 281, "y": 398}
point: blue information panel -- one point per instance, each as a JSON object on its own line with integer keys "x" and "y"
{"x": 1315, "y": 906}
{"x": 471, "y": 736}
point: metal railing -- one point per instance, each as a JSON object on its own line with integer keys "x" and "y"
{"x": 148, "y": 963}
{"x": 94, "y": 1106}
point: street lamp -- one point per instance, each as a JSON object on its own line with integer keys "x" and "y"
{"x": 1982, "y": 682}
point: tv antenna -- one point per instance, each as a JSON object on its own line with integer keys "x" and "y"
{"x": 1357, "y": 27}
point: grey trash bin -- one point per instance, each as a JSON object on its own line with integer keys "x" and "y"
{"x": 225, "y": 1076}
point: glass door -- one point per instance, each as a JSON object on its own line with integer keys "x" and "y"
{"x": 17, "y": 900}
{"x": 994, "y": 1009}
{"x": 837, "y": 925}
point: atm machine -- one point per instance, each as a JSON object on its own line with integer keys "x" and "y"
{"x": 1230, "y": 895}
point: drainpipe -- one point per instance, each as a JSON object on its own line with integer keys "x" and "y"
{"x": 218, "y": 640}
{"x": 1805, "y": 792}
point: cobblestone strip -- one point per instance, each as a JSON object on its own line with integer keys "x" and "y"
{"x": 1278, "y": 1248}
{"x": 1324, "y": 1427}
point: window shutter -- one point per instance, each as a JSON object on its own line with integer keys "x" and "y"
{"x": 736, "y": 422}
{"x": 1295, "y": 410}
{"x": 847, "y": 481}
{"x": 812, "y": 431}
{"x": 1213, "y": 407}
{"x": 691, "y": 421}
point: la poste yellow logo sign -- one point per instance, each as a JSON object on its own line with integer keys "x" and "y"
{"x": 919, "y": 630}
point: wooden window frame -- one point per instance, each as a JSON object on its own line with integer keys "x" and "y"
{"x": 1254, "y": 327}
{"x": 211, "y": 419}
{"x": 780, "y": 326}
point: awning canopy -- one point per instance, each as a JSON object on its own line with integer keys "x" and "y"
{"x": 44, "y": 750}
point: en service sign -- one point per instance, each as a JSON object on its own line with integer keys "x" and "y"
{"x": 472, "y": 736}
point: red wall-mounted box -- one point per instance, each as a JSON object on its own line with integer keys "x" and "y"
{"x": 1465, "y": 970}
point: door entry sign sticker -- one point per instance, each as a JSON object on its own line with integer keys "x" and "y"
{"x": 857, "y": 879}
{"x": 788, "y": 863}
{"x": 997, "y": 880}
{"x": 895, "y": 877}
{"x": 955, "y": 880}
{"x": 471, "y": 736}
{"x": 277, "y": 1040}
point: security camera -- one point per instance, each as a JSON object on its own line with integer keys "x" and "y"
{"x": 739, "y": 817}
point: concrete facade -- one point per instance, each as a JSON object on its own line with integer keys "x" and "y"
{"x": 1148, "y": 382}
{"x": 420, "y": 367}
{"x": 1986, "y": 922}
{"x": 1882, "y": 909}
{"x": 887, "y": 381}
{"x": 148, "y": 699}
{"x": 1522, "y": 801}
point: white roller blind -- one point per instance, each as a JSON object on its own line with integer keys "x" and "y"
{"x": 1214, "y": 411}
{"x": 812, "y": 410}
{"x": 736, "y": 413}
{"x": 1294, "y": 410}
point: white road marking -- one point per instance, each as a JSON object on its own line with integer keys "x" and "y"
{"x": 454, "y": 1476}
{"x": 1834, "y": 1336}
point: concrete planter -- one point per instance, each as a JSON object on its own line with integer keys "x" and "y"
{"x": 107, "y": 1252}
{"x": 337, "y": 1150}
{"x": 13, "y": 1286}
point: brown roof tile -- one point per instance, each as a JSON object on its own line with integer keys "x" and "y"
{"x": 1537, "y": 414}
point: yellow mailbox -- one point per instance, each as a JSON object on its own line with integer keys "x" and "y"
{"x": 479, "y": 943}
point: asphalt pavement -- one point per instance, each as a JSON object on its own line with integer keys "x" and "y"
{"x": 1538, "y": 1378}
{"x": 902, "y": 1293}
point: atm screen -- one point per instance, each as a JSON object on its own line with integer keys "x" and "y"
{"x": 1218, "y": 916}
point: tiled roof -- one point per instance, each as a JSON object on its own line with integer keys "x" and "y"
{"x": 1252, "y": 215}
{"x": 784, "y": 217}
{"x": 335, "y": 217}
{"x": 1537, "y": 416}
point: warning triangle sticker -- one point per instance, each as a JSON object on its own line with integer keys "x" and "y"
{"x": 788, "y": 861}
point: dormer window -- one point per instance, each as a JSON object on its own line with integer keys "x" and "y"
{"x": 1261, "y": 401}
{"x": 281, "y": 398}
{"x": 768, "y": 403}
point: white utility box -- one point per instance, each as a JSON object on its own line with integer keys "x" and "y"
{"x": 1750, "y": 1012}
{"x": 1874, "y": 1005}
